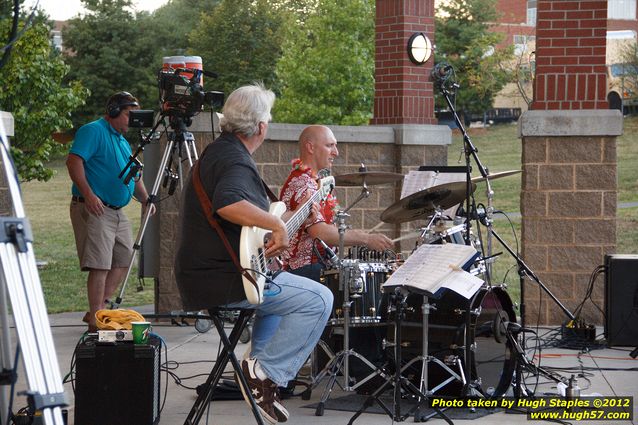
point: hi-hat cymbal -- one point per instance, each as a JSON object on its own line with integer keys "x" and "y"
{"x": 495, "y": 176}
{"x": 367, "y": 177}
{"x": 424, "y": 203}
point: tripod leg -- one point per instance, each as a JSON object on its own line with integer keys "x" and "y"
{"x": 140, "y": 234}
{"x": 6, "y": 354}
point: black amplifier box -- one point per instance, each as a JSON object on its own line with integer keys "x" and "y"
{"x": 621, "y": 300}
{"x": 117, "y": 383}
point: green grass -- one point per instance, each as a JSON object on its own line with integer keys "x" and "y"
{"x": 499, "y": 149}
{"x": 64, "y": 285}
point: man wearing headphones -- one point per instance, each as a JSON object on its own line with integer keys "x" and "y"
{"x": 103, "y": 235}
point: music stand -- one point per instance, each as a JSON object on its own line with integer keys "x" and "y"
{"x": 402, "y": 385}
{"x": 426, "y": 272}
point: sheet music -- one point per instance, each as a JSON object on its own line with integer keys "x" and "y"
{"x": 432, "y": 267}
{"x": 416, "y": 181}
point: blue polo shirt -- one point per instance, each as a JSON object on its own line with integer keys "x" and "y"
{"x": 105, "y": 153}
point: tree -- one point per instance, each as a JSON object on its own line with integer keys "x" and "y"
{"x": 33, "y": 91}
{"x": 327, "y": 69}
{"x": 241, "y": 41}
{"x": 108, "y": 53}
{"x": 464, "y": 40}
{"x": 172, "y": 23}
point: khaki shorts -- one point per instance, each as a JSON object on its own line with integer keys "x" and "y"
{"x": 103, "y": 242}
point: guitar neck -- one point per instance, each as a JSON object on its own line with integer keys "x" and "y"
{"x": 301, "y": 214}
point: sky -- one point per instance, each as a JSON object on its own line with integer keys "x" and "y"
{"x": 61, "y": 10}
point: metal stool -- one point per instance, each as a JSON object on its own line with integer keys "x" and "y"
{"x": 227, "y": 353}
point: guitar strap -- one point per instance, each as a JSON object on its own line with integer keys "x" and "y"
{"x": 207, "y": 206}
{"x": 271, "y": 195}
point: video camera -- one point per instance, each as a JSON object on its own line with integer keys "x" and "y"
{"x": 182, "y": 94}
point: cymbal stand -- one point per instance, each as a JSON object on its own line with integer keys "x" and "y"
{"x": 340, "y": 362}
{"x": 19, "y": 278}
{"x": 181, "y": 143}
{"x": 424, "y": 237}
{"x": 402, "y": 385}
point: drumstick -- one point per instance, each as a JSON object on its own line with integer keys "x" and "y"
{"x": 404, "y": 237}
{"x": 381, "y": 223}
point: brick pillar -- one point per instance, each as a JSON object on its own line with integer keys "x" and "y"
{"x": 403, "y": 91}
{"x": 570, "y": 55}
{"x": 6, "y": 203}
{"x": 569, "y": 187}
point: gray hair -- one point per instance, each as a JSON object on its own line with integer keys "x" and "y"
{"x": 245, "y": 108}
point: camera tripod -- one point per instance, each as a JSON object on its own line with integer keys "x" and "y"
{"x": 20, "y": 279}
{"x": 180, "y": 146}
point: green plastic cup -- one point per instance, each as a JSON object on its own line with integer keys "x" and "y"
{"x": 141, "y": 332}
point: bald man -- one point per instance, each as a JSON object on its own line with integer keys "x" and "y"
{"x": 317, "y": 150}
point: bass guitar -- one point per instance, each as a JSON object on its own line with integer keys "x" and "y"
{"x": 253, "y": 239}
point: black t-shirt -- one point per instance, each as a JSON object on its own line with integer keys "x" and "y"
{"x": 205, "y": 274}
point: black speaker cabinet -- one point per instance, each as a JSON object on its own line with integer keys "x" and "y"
{"x": 621, "y": 300}
{"x": 117, "y": 384}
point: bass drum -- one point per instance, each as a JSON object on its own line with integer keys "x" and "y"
{"x": 491, "y": 360}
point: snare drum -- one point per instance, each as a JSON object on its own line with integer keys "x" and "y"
{"x": 362, "y": 284}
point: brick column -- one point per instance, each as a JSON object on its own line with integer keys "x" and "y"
{"x": 570, "y": 55}
{"x": 403, "y": 91}
{"x": 6, "y": 204}
{"x": 569, "y": 187}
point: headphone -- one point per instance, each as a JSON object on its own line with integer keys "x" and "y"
{"x": 118, "y": 101}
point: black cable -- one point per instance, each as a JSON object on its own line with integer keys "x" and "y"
{"x": 504, "y": 214}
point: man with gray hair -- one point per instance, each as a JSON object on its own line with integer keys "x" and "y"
{"x": 207, "y": 277}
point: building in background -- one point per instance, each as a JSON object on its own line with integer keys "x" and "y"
{"x": 518, "y": 25}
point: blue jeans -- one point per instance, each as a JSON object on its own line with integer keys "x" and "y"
{"x": 288, "y": 325}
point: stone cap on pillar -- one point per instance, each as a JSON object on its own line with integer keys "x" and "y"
{"x": 422, "y": 134}
{"x": 581, "y": 122}
{"x": 7, "y": 123}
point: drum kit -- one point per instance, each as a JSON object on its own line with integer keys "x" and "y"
{"x": 451, "y": 347}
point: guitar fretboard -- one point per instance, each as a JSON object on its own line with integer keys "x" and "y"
{"x": 301, "y": 214}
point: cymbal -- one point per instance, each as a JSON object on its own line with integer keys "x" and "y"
{"x": 424, "y": 203}
{"x": 367, "y": 177}
{"x": 495, "y": 176}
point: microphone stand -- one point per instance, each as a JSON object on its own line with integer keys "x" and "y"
{"x": 523, "y": 362}
{"x": 446, "y": 86}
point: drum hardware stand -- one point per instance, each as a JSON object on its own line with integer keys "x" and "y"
{"x": 341, "y": 360}
{"x": 401, "y": 384}
{"x": 181, "y": 143}
{"x": 426, "y": 231}
{"x": 425, "y": 359}
{"x": 512, "y": 330}
{"x": 21, "y": 280}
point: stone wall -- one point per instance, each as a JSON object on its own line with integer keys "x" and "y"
{"x": 568, "y": 205}
{"x": 395, "y": 149}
